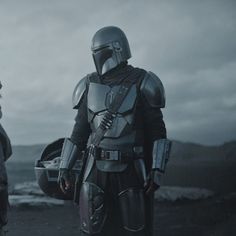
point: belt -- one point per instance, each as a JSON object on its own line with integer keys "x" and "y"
{"x": 117, "y": 155}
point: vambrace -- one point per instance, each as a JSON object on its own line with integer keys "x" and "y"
{"x": 160, "y": 154}
{"x": 70, "y": 153}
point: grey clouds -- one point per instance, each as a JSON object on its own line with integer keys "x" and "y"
{"x": 190, "y": 45}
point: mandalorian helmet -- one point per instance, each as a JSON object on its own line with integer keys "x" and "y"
{"x": 110, "y": 48}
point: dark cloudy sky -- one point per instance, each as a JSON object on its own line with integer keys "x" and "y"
{"x": 190, "y": 45}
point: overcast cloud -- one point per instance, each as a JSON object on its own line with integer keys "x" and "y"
{"x": 190, "y": 45}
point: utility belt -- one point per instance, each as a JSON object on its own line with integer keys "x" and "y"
{"x": 118, "y": 155}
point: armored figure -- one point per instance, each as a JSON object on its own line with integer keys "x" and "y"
{"x": 5, "y": 153}
{"x": 119, "y": 125}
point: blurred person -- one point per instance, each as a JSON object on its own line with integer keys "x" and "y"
{"x": 5, "y": 153}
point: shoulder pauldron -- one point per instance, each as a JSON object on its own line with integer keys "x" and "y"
{"x": 153, "y": 90}
{"x": 81, "y": 87}
{"x": 79, "y": 92}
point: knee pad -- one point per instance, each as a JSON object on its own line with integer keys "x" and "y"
{"x": 132, "y": 206}
{"x": 92, "y": 208}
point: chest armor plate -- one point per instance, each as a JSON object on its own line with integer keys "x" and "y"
{"x": 99, "y": 99}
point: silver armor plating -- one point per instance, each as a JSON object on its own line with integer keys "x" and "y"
{"x": 161, "y": 150}
{"x": 69, "y": 154}
{"x": 153, "y": 90}
{"x": 79, "y": 92}
{"x": 98, "y": 107}
{"x": 92, "y": 211}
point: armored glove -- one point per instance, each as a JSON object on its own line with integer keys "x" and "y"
{"x": 153, "y": 181}
{"x": 70, "y": 153}
{"x": 64, "y": 180}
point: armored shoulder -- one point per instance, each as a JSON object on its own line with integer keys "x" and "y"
{"x": 153, "y": 91}
{"x": 79, "y": 92}
{"x": 81, "y": 87}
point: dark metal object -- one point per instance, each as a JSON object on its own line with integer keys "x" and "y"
{"x": 98, "y": 107}
{"x": 117, "y": 155}
{"x": 161, "y": 151}
{"x": 69, "y": 154}
{"x": 92, "y": 209}
{"x": 110, "y": 48}
{"x": 153, "y": 90}
{"x": 110, "y": 114}
{"x": 79, "y": 92}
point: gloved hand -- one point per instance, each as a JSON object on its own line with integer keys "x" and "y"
{"x": 64, "y": 180}
{"x": 152, "y": 182}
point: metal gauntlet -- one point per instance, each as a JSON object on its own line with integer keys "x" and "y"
{"x": 160, "y": 154}
{"x": 70, "y": 153}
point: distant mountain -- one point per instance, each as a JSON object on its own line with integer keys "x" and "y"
{"x": 26, "y": 153}
{"x": 190, "y": 165}
{"x": 181, "y": 152}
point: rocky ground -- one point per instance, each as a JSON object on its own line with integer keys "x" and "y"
{"x": 214, "y": 216}
{"x": 201, "y": 200}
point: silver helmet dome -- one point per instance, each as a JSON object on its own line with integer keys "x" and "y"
{"x": 110, "y": 48}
